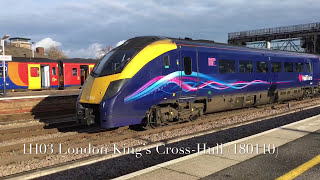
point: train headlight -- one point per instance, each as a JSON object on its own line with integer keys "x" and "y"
{"x": 114, "y": 87}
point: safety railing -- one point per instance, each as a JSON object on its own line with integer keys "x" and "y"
{"x": 276, "y": 30}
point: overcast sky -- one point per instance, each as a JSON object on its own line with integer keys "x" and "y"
{"x": 81, "y": 27}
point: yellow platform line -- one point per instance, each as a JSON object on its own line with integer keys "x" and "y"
{"x": 301, "y": 169}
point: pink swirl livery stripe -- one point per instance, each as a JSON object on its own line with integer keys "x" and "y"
{"x": 146, "y": 85}
{"x": 183, "y": 81}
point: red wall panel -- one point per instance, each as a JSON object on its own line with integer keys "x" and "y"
{"x": 69, "y": 79}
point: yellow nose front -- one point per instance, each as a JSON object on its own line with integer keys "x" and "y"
{"x": 95, "y": 88}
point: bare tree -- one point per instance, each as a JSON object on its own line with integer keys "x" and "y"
{"x": 104, "y": 51}
{"x": 55, "y": 53}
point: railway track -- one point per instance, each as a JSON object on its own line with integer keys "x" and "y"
{"x": 37, "y": 130}
{"x": 65, "y": 126}
{"x": 43, "y": 92}
{"x": 150, "y": 144}
{"x": 13, "y": 153}
{"x": 41, "y": 108}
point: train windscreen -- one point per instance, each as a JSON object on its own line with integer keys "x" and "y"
{"x": 113, "y": 62}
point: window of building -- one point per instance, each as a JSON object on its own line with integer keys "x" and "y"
{"x": 227, "y": 66}
{"x": 245, "y": 66}
{"x": 166, "y": 61}
{"x": 308, "y": 67}
{"x": 34, "y": 72}
{"x": 299, "y": 67}
{"x": 54, "y": 71}
{"x": 187, "y": 64}
{"x": 262, "y": 67}
{"x": 288, "y": 67}
{"x": 74, "y": 72}
{"x": 276, "y": 67}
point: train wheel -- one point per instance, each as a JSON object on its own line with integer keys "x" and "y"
{"x": 153, "y": 119}
{"x": 195, "y": 117}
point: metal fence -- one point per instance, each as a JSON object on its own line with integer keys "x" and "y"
{"x": 276, "y": 30}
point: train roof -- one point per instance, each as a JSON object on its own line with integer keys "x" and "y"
{"x": 140, "y": 42}
{"x": 79, "y": 60}
{"x": 25, "y": 59}
{"x": 74, "y": 60}
{"x": 209, "y": 43}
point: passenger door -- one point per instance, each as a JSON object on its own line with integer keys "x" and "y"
{"x": 308, "y": 69}
{"x": 275, "y": 71}
{"x": 34, "y": 76}
{"x": 90, "y": 68}
{"x": 45, "y": 76}
{"x": 189, "y": 77}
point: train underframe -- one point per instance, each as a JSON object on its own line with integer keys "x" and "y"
{"x": 176, "y": 112}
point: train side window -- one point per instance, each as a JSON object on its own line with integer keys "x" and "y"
{"x": 245, "y": 66}
{"x": 276, "y": 67}
{"x": 74, "y": 72}
{"x": 166, "y": 61}
{"x": 288, "y": 67}
{"x": 227, "y": 66}
{"x": 299, "y": 67}
{"x": 187, "y": 63}
{"x": 308, "y": 67}
{"x": 1, "y": 72}
{"x": 54, "y": 71}
{"x": 262, "y": 67}
{"x": 34, "y": 72}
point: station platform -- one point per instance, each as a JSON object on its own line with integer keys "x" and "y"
{"x": 40, "y": 93}
{"x": 287, "y": 152}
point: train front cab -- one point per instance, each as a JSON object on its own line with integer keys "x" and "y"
{"x": 103, "y": 93}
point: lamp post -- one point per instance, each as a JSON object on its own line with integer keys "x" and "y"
{"x": 32, "y": 45}
{"x": 4, "y": 66}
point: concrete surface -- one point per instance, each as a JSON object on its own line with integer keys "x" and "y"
{"x": 295, "y": 144}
